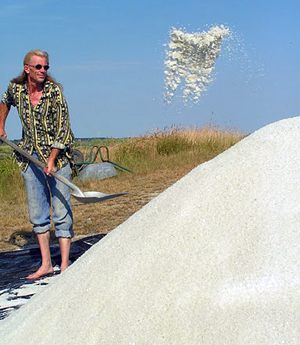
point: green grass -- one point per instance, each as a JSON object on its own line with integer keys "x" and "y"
{"x": 11, "y": 183}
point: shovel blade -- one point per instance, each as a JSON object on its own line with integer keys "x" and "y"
{"x": 92, "y": 197}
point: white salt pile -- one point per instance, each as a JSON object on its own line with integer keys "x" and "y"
{"x": 190, "y": 61}
{"x": 212, "y": 260}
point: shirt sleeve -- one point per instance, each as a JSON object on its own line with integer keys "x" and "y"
{"x": 64, "y": 136}
{"x": 7, "y": 97}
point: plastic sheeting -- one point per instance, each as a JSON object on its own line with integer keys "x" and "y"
{"x": 15, "y": 266}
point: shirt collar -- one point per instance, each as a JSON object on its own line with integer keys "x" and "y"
{"x": 45, "y": 90}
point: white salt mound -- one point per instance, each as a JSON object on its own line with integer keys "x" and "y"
{"x": 212, "y": 260}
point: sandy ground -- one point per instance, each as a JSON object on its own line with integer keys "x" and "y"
{"x": 214, "y": 259}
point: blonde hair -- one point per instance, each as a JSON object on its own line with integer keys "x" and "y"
{"x": 22, "y": 78}
{"x": 35, "y": 52}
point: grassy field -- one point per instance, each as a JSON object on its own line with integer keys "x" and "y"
{"x": 157, "y": 159}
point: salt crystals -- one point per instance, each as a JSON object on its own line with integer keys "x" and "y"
{"x": 190, "y": 61}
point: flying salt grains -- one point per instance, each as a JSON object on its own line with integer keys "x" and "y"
{"x": 190, "y": 60}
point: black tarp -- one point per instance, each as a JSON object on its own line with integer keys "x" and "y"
{"x": 15, "y": 266}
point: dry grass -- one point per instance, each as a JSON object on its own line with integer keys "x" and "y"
{"x": 158, "y": 160}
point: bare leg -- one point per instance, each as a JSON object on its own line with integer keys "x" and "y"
{"x": 64, "y": 244}
{"x": 46, "y": 267}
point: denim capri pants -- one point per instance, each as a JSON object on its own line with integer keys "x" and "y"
{"x": 44, "y": 191}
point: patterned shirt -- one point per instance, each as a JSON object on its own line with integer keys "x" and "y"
{"x": 45, "y": 126}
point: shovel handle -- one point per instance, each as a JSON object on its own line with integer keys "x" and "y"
{"x": 23, "y": 153}
{"x": 41, "y": 165}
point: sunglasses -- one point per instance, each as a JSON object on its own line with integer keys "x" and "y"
{"x": 38, "y": 66}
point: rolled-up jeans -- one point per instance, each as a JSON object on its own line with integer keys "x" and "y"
{"x": 44, "y": 191}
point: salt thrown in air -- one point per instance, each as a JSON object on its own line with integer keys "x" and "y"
{"x": 190, "y": 61}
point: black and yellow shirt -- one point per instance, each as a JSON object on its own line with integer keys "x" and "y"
{"x": 45, "y": 126}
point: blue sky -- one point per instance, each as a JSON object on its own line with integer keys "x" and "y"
{"x": 109, "y": 56}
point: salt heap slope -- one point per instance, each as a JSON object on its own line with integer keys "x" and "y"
{"x": 212, "y": 260}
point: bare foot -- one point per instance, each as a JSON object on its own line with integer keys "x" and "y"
{"x": 40, "y": 273}
{"x": 63, "y": 267}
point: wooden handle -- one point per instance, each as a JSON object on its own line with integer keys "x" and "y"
{"x": 23, "y": 153}
{"x": 41, "y": 164}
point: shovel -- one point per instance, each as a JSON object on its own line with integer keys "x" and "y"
{"x": 78, "y": 194}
